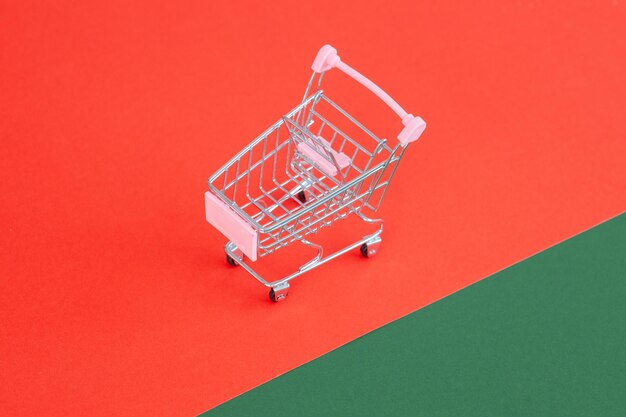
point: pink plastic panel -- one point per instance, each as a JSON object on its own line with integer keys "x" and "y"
{"x": 224, "y": 219}
{"x": 324, "y": 164}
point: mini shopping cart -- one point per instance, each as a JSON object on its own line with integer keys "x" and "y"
{"x": 315, "y": 165}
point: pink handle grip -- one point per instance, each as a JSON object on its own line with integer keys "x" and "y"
{"x": 327, "y": 58}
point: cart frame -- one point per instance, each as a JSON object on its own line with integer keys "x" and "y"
{"x": 323, "y": 180}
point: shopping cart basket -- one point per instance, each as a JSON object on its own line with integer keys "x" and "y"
{"x": 315, "y": 165}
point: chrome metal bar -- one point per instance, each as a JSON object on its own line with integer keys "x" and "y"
{"x": 316, "y": 261}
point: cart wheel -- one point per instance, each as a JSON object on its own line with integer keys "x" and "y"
{"x": 275, "y": 298}
{"x": 302, "y": 196}
{"x": 369, "y": 250}
{"x": 231, "y": 261}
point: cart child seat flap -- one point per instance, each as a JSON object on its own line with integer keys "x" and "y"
{"x": 309, "y": 149}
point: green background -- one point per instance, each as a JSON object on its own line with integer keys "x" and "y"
{"x": 545, "y": 337}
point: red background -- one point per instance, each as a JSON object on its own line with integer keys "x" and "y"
{"x": 114, "y": 295}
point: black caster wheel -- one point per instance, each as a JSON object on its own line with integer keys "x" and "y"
{"x": 231, "y": 261}
{"x": 302, "y": 196}
{"x": 278, "y": 297}
{"x": 369, "y": 250}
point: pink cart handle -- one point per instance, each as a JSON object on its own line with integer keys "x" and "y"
{"x": 327, "y": 58}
